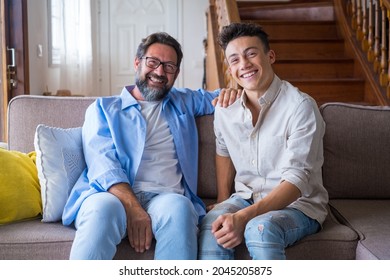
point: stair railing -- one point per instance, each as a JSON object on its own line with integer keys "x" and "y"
{"x": 369, "y": 21}
{"x": 216, "y": 72}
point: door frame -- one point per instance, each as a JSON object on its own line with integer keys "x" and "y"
{"x": 14, "y": 30}
{"x": 3, "y": 77}
{"x": 16, "y": 26}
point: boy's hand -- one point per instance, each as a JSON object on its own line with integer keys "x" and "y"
{"x": 227, "y": 97}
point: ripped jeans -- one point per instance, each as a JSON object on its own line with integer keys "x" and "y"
{"x": 266, "y": 236}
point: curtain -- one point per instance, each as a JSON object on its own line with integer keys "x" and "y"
{"x": 75, "y": 46}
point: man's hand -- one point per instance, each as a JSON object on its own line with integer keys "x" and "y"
{"x": 139, "y": 224}
{"x": 228, "y": 229}
{"x": 139, "y": 229}
{"x": 227, "y": 97}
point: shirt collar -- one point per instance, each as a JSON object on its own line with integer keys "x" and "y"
{"x": 270, "y": 94}
{"x": 129, "y": 100}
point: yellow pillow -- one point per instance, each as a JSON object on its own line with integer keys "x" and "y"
{"x": 20, "y": 196}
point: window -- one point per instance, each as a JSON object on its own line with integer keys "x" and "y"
{"x": 55, "y": 36}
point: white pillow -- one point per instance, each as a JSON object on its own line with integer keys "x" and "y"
{"x": 60, "y": 161}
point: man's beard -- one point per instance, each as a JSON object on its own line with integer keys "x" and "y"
{"x": 151, "y": 93}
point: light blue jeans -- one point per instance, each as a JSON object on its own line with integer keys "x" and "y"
{"x": 266, "y": 236}
{"x": 101, "y": 226}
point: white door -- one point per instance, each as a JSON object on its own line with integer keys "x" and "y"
{"x": 121, "y": 25}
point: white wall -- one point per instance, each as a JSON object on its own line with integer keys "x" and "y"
{"x": 192, "y": 32}
{"x": 37, "y": 35}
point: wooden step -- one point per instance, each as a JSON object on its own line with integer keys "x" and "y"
{"x": 310, "y": 52}
{"x": 255, "y": 3}
{"x": 312, "y": 11}
{"x": 314, "y": 49}
{"x": 292, "y": 68}
{"x": 332, "y": 90}
{"x": 299, "y": 30}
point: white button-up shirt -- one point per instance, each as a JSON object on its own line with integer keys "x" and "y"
{"x": 284, "y": 145}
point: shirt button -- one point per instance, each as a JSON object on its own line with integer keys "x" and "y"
{"x": 253, "y": 162}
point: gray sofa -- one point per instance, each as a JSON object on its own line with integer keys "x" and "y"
{"x": 356, "y": 174}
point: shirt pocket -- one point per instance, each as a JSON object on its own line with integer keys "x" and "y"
{"x": 271, "y": 155}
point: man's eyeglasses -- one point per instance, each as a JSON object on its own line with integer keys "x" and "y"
{"x": 154, "y": 63}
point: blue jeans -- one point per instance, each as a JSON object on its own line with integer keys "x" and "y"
{"x": 266, "y": 236}
{"x": 101, "y": 226}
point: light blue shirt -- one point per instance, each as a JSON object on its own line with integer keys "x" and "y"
{"x": 114, "y": 134}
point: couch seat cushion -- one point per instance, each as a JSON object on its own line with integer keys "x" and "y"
{"x": 371, "y": 220}
{"x": 34, "y": 240}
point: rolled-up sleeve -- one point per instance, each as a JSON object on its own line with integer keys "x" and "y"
{"x": 104, "y": 167}
{"x": 220, "y": 145}
{"x": 304, "y": 147}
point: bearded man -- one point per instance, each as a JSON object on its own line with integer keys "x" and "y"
{"x": 141, "y": 176}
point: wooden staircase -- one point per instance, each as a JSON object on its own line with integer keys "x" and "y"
{"x": 311, "y": 52}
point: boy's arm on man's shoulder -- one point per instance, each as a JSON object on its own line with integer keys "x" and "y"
{"x": 204, "y": 101}
{"x": 226, "y": 97}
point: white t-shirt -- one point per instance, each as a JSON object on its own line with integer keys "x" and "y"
{"x": 159, "y": 170}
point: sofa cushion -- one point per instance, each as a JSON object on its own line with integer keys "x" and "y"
{"x": 334, "y": 242}
{"x": 19, "y": 187}
{"x": 60, "y": 161}
{"x": 356, "y": 150}
{"x": 370, "y": 218}
{"x": 34, "y": 240}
